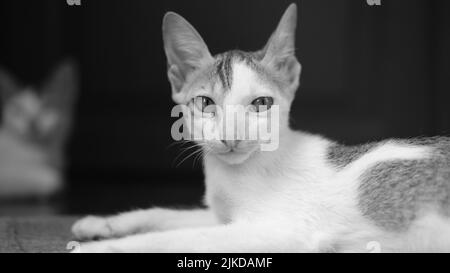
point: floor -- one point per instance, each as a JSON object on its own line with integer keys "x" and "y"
{"x": 43, "y": 234}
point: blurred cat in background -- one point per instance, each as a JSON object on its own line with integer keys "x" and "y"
{"x": 34, "y": 127}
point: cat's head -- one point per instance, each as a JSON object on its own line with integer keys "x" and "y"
{"x": 258, "y": 81}
{"x": 39, "y": 116}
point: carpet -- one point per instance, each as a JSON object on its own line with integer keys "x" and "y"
{"x": 49, "y": 234}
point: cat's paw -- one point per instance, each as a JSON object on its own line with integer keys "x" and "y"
{"x": 92, "y": 227}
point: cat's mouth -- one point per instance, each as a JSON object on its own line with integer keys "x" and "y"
{"x": 234, "y": 150}
{"x": 233, "y": 155}
{"x": 231, "y": 151}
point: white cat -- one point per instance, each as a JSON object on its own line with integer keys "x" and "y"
{"x": 34, "y": 128}
{"x": 309, "y": 195}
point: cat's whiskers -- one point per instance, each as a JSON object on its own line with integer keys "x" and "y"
{"x": 185, "y": 149}
{"x": 196, "y": 158}
{"x": 179, "y": 142}
{"x": 205, "y": 151}
{"x": 190, "y": 155}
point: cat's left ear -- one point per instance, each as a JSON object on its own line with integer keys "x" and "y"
{"x": 279, "y": 52}
{"x": 185, "y": 50}
{"x": 60, "y": 89}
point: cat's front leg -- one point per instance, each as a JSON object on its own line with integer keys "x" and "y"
{"x": 139, "y": 221}
{"x": 223, "y": 238}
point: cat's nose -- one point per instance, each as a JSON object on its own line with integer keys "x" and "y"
{"x": 230, "y": 143}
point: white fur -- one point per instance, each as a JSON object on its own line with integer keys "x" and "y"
{"x": 288, "y": 200}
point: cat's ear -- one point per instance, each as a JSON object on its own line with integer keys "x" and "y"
{"x": 61, "y": 87}
{"x": 185, "y": 51}
{"x": 279, "y": 52}
{"x": 8, "y": 85}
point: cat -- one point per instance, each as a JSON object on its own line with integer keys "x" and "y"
{"x": 34, "y": 129}
{"x": 309, "y": 195}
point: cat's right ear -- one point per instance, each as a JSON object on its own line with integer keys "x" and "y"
{"x": 8, "y": 85}
{"x": 185, "y": 51}
{"x": 279, "y": 52}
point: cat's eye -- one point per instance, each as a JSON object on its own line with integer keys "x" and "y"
{"x": 261, "y": 104}
{"x": 204, "y": 104}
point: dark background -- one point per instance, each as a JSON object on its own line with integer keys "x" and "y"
{"x": 369, "y": 72}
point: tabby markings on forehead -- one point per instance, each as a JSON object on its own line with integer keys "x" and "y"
{"x": 223, "y": 66}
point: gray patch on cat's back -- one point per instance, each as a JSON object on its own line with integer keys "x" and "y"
{"x": 340, "y": 155}
{"x": 392, "y": 194}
